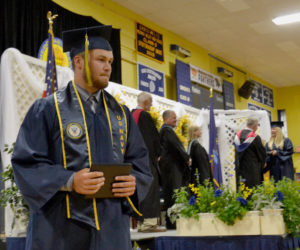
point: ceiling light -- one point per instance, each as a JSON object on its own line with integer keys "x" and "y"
{"x": 292, "y": 18}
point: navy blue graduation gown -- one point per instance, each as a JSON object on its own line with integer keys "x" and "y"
{"x": 39, "y": 173}
{"x": 281, "y": 164}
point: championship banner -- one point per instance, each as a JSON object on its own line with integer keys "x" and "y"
{"x": 150, "y": 80}
{"x": 228, "y": 95}
{"x": 262, "y": 94}
{"x": 149, "y": 43}
{"x": 257, "y": 92}
{"x": 205, "y": 78}
{"x": 268, "y": 97}
{"x": 184, "y": 85}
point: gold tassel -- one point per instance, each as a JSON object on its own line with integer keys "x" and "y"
{"x": 86, "y": 62}
{"x": 133, "y": 207}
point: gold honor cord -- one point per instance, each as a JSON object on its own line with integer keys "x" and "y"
{"x": 109, "y": 123}
{"x": 108, "y": 118}
{"x": 63, "y": 149}
{"x": 89, "y": 151}
{"x": 125, "y": 122}
{"x": 86, "y": 62}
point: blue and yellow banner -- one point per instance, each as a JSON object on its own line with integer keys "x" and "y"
{"x": 149, "y": 43}
{"x": 151, "y": 80}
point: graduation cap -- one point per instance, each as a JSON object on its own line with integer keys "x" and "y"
{"x": 98, "y": 38}
{"x": 277, "y": 124}
{"x": 85, "y": 39}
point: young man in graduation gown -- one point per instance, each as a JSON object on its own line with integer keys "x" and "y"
{"x": 280, "y": 150}
{"x": 174, "y": 163}
{"x": 61, "y": 137}
{"x": 150, "y": 207}
{"x": 250, "y": 155}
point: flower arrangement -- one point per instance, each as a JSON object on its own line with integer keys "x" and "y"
{"x": 11, "y": 196}
{"x": 288, "y": 192}
{"x": 266, "y": 196}
{"x": 226, "y": 204}
{"x": 182, "y": 129}
{"x": 230, "y": 206}
{"x": 156, "y": 117}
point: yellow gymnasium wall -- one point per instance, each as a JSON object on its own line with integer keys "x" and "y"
{"x": 108, "y": 12}
{"x": 289, "y": 100}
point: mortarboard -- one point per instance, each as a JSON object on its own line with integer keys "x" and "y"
{"x": 98, "y": 38}
{"x": 277, "y": 124}
{"x": 85, "y": 39}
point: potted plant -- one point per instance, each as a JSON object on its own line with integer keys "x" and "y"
{"x": 268, "y": 200}
{"x": 290, "y": 199}
{"x": 201, "y": 210}
{"x": 12, "y": 198}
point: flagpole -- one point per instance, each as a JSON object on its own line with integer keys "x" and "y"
{"x": 50, "y": 78}
{"x": 214, "y": 153}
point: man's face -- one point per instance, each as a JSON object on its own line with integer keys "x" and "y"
{"x": 148, "y": 104}
{"x": 171, "y": 120}
{"x": 100, "y": 62}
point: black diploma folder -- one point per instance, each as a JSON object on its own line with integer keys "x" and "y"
{"x": 110, "y": 171}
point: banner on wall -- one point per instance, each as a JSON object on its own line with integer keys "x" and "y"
{"x": 256, "y": 94}
{"x": 150, "y": 80}
{"x": 205, "y": 78}
{"x": 255, "y": 107}
{"x": 262, "y": 94}
{"x": 183, "y": 81}
{"x": 268, "y": 96}
{"x": 149, "y": 43}
{"x": 228, "y": 95}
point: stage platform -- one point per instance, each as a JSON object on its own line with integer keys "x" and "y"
{"x": 136, "y": 236}
{"x": 170, "y": 241}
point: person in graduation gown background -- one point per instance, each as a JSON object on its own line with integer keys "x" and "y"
{"x": 150, "y": 207}
{"x": 198, "y": 154}
{"x": 279, "y": 154}
{"x": 61, "y": 136}
{"x": 174, "y": 162}
{"x": 250, "y": 155}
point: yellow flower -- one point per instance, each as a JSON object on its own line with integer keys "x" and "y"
{"x": 242, "y": 186}
{"x": 156, "y": 117}
{"x": 213, "y": 203}
{"x": 182, "y": 129}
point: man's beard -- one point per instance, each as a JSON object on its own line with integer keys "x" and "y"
{"x": 95, "y": 82}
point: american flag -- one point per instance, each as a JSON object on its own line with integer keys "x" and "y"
{"x": 50, "y": 79}
{"x": 214, "y": 154}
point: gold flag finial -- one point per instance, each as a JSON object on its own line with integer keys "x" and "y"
{"x": 50, "y": 19}
{"x": 211, "y": 92}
